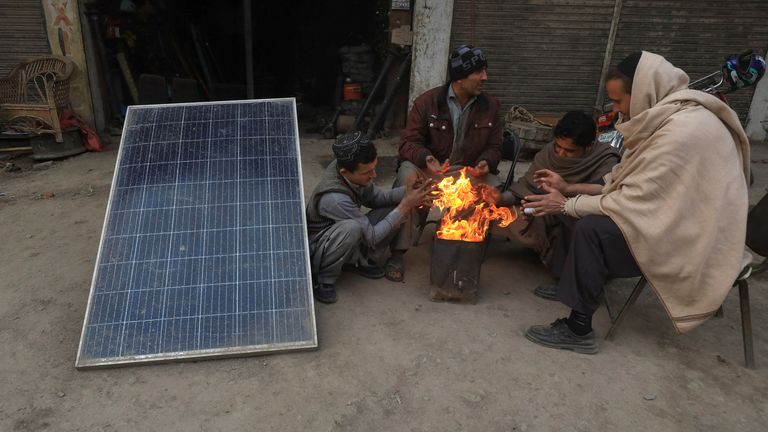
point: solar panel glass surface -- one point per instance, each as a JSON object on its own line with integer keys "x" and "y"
{"x": 204, "y": 249}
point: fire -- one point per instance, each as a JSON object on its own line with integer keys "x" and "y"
{"x": 468, "y": 215}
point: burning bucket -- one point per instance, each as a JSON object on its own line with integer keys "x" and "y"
{"x": 459, "y": 244}
{"x": 455, "y": 270}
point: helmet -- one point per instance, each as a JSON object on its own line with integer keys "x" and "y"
{"x": 744, "y": 70}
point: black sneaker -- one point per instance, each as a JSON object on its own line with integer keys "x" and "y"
{"x": 548, "y": 292}
{"x": 558, "y": 335}
{"x": 325, "y": 293}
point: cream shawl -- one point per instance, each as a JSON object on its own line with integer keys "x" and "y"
{"x": 679, "y": 194}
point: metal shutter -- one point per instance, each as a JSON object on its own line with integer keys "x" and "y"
{"x": 544, "y": 55}
{"x": 695, "y": 35}
{"x": 22, "y": 32}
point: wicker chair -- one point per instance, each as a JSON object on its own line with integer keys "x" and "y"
{"x": 34, "y": 93}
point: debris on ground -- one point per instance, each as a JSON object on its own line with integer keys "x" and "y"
{"x": 11, "y": 167}
{"x": 42, "y": 166}
{"x": 86, "y": 191}
{"x": 43, "y": 195}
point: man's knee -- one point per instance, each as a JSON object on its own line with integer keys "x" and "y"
{"x": 405, "y": 170}
{"x": 349, "y": 234}
{"x": 593, "y": 225}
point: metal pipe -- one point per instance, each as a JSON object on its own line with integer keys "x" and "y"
{"x": 608, "y": 57}
{"x": 201, "y": 57}
{"x": 379, "y": 119}
{"x": 374, "y": 90}
{"x": 97, "y": 98}
{"x": 746, "y": 324}
{"x": 248, "y": 31}
{"x": 623, "y": 311}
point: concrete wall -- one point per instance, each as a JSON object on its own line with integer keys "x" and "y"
{"x": 431, "y": 45}
{"x": 65, "y": 36}
{"x": 757, "y": 121}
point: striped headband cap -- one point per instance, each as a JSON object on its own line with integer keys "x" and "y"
{"x": 464, "y": 60}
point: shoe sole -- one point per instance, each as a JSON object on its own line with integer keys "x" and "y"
{"x": 545, "y": 296}
{"x": 574, "y": 348}
{"x": 324, "y": 301}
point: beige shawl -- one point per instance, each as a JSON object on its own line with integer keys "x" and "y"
{"x": 679, "y": 194}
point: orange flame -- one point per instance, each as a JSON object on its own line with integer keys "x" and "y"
{"x": 467, "y": 217}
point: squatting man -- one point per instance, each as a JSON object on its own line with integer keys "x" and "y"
{"x": 341, "y": 235}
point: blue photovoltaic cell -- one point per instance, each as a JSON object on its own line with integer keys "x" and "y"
{"x": 204, "y": 249}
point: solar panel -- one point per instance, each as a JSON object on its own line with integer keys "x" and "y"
{"x": 204, "y": 249}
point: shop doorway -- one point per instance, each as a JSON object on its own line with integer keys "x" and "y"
{"x": 160, "y": 51}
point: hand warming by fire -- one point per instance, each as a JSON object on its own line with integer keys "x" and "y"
{"x": 470, "y": 209}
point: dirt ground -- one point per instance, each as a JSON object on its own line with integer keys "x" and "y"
{"x": 389, "y": 359}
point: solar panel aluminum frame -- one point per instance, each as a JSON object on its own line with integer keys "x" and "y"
{"x": 203, "y": 354}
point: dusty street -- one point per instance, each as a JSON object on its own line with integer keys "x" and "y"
{"x": 389, "y": 359}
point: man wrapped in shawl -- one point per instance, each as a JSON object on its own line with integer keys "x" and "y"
{"x": 674, "y": 209}
{"x": 577, "y": 158}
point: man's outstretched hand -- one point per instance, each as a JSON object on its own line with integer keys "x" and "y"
{"x": 550, "y": 178}
{"x": 553, "y": 202}
{"x": 418, "y": 192}
{"x": 434, "y": 166}
{"x": 479, "y": 170}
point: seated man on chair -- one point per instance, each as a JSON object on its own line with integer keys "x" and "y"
{"x": 576, "y": 157}
{"x": 674, "y": 209}
{"x": 339, "y": 232}
{"x": 454, "y": 125}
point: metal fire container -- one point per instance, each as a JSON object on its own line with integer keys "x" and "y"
{"x": 455, "y": 271}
